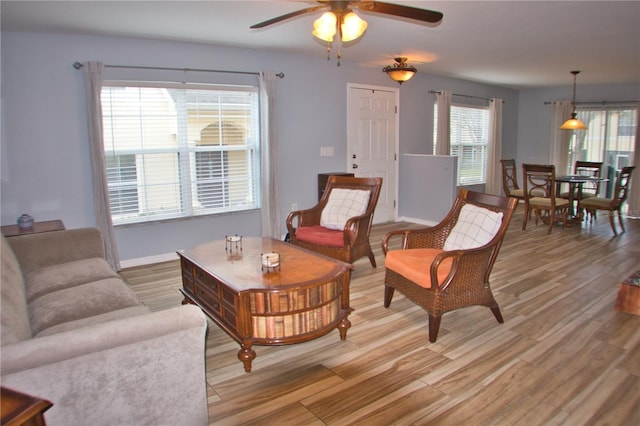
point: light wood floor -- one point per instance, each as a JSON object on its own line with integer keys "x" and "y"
{"x": 564, "y": 355}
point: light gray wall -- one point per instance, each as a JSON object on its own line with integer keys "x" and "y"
{"x": 435, "y": 174}
{"x": 44, "y": 156}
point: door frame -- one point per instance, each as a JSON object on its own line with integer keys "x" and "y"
{"x": 395, "y": 171}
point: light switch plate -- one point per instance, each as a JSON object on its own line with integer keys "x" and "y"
{"x": 326, "y": 151}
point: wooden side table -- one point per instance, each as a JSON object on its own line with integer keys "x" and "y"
{"x": 22, "y": 409}
{"x": 629, "y": 295}
{"x": 38, "y": 227}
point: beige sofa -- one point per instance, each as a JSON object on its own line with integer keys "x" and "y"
{"x": 74, "y": 333}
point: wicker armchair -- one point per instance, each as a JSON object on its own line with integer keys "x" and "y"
{"x": 510, "y": 180}
{"x": 351, "y": 241}
{"x": 440, "y": 279}
{"x": 612, "y": 205}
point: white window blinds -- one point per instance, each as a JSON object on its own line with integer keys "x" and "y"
{"x": 609, "y": 138}
{"x": 177, "y": 151}
{"x": 469, "y": 137}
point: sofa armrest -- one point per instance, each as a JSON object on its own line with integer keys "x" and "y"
{"x": 35, "y": 251}
{"x": 147, "y": 369}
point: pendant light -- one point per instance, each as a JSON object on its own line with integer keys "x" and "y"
{"x": 573, "y": 123}
{"x": 400, "y": 71}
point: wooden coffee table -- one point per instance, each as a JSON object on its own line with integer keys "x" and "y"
{"x": 305, "y": 298}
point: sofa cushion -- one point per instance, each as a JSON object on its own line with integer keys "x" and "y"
{"x": 415, "y": 265}
{"x": 80, "y": 302}
{"x": 476, "y": 226}
{"x": 66, "y": 275}
{"x": 342, "y": 205}
{"x": 96, "y": 319}
{"x": 40, "y": 250}
{"x": 320, "y": 235}
{"x": 15, "y": 316}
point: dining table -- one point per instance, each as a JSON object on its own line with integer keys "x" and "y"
{"x": 575, "y": 183}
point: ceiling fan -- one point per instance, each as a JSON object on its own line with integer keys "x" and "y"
{"x": 341, "y": 20}
{"x": 343, "y": 7}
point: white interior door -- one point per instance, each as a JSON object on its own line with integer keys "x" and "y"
{"x": 372, "y": 141}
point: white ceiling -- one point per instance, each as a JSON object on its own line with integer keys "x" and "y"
{"x": 519, "y": 44}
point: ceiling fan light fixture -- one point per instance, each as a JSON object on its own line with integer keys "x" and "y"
{"x": 325, "y": 27}
{"x": 574, "y": 123}
{"x": 400, "y": 71}
{"x": 352, "y": 26}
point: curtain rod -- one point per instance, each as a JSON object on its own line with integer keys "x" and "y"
{"x": 77, "y": 65}
{"x": 613, "y": 103}
{"x": 463, "y": 96}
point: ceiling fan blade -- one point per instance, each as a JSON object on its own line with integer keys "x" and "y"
{"x": 399, "y": 10}
{"x": 287, "y": 16}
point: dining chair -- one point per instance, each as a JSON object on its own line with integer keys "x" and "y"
{"x": 539, "y": 182}
{"x": 612, "y": 205}
{"x": 339, "y": 225}
{"x": 447, "y": 266}
{"x": 589, "y": 189}
{"x": 510, "y": 179}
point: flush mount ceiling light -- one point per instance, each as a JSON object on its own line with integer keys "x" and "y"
{"x": 400, "y": 71}
{"x": 342, "y": 21}
{"x": 573, "y": 123}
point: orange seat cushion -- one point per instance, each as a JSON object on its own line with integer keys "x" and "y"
{"x": 415, "y": 265}
{"x": 320, "y": 235}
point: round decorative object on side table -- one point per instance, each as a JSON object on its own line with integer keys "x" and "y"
{"x": 25, "y": 222}
{"x": 270, "y": 261}
{"x": 233, "y": 242}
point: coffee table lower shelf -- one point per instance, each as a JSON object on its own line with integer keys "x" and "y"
{"x": 279, "y": 307}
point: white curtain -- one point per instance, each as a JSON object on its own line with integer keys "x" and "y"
{"x": 634, "y": 191}
{"x": 93, "y": 87}
{"x": 560, "y": 139}
{"x": 493, "y": 183}
{"x": 443, "y": 102}
{"x": 269, "y": 183}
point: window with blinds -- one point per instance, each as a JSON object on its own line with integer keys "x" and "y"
{"x": 469, "y": 138}
{"x": 175, "y": 151}
{"x": 609, "y": 138}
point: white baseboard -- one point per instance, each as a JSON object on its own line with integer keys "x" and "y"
{"x": 141, "y": 261}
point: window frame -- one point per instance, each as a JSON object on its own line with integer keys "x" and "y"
{"x": 609, "y": 129}
{"x": 460, "y": 181}
{"x": 185, "y": 186}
